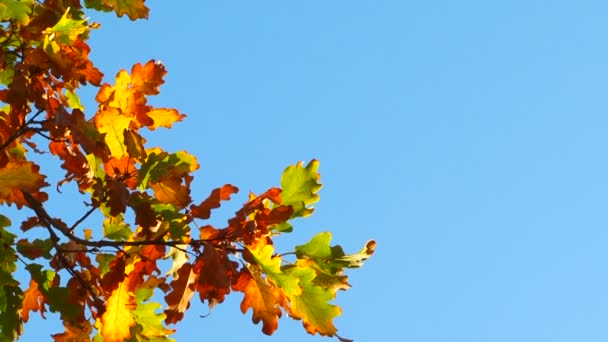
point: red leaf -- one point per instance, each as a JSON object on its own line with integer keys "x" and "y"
{"x": 203, "y": 210}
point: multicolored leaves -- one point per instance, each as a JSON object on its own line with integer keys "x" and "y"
{"x": 128, "y": 97}
{"x": 144, "y": 197}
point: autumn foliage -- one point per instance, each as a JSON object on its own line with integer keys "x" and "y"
{"x": 103, "y": 278}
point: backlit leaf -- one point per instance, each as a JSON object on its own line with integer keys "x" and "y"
{"x": 67, "y": 30}
{"x": 203, "y": 210}
{"x": 312, "y": 304}
{"x": 33, "y": 300}
{"x": 178, "y": 300}
{"x": 300, "y": 186}
{"x": 262, "y": 297}
{"x": 113, "y": 124}
{"x": 164, "y": 117}
{"x": 332, "y": 259}
{"x": 118, "y": 318}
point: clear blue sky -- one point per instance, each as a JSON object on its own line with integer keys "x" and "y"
{"x": 467, "y": 137}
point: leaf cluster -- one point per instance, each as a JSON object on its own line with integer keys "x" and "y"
{"x": 102, "y": 281}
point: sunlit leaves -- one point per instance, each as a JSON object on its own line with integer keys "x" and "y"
{"x": 102, "y": 272}
{"x": 128, "y": 97}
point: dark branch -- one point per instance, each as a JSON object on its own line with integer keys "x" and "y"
{"x": 24, "y": 128}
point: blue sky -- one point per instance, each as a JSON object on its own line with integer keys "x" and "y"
{"x": 466, "y": 137}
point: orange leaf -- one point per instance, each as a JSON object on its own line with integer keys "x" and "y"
{"x": 262, "y": 297}
{"x": 117, "y": 320}
{"x": 33, "y": 300}
{"x": 18, "y": 176}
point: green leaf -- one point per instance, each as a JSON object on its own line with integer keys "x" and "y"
{"x": 17, "y": 10}
{"x": 114, "y": 228}
{"x": 73, "y": 100}
{"x": 300, "y": 186}
{"x": 67, "y": 30}
{"x": 312, "y": 304}
{"x": 332, "y": 259}
{"x": 6, "y": 76}
{"x": 43, "y": 278}
{"x": 11, "y": 295}
{"x": 5, "y": 222}
{"x": 35, "y": 249}
{"x": 150, "y": 325}
{"x": 104, "y": 260}
{"x": 271, "y": 266}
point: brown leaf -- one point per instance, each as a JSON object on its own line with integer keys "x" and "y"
{"x": 178, "y": 300}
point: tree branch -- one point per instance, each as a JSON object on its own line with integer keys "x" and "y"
{"x": 20, "y": 131}
{"x": 46, "y": 219}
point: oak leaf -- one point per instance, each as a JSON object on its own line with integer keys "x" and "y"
{"x": 33, "y": 300}
{"x": 203, "y": 210}
{"x": 300, "y": 185}
{"x": 118, "y": 318}
{"x": 262, "y": 297}
{"x": 311, "y": 305}
{"x": 215, "y": 272}
{"x": 178, "y": 300}
{"x": 17, "y": 177}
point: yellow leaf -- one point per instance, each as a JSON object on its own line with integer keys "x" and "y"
{"x": 164, "y": 117}
{"x": 118, "y": 319}
{"x": 113, "y": 124}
